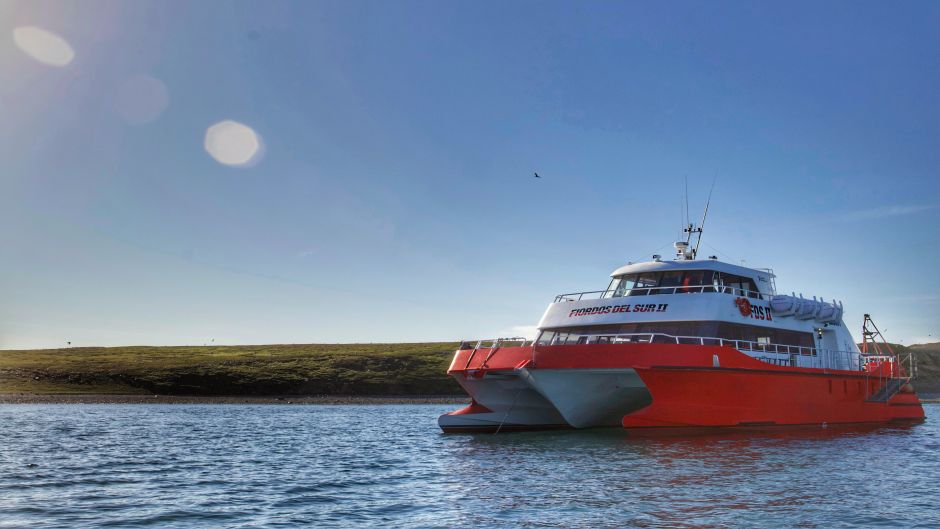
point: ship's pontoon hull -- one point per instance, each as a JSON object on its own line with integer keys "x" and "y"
{"x": 591, "y": 396}
{"x": 502, "y": 399}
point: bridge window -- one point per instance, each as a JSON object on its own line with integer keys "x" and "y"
{"x": 643, "y": 283}
{"x": 617, "y": 287}
{"x": 671, "y": 279}
{"x": 739, "y": 286}
{"x": 697, "y": 277}
{"x": 681, "y": 282}
{"x": 671, "y": 282}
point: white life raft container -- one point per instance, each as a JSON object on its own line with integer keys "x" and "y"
{"x": 806, "y": 309}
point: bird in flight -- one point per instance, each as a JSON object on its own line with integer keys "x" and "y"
{"x": 537, "y": 175}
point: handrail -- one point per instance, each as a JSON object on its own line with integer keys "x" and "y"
{"x": 681, "y": 289}
{"x": 493, "y": 343}
{"x": 888, "y": 382}
{"x": 821, "y": 358}
{"x": 651, "y": 337}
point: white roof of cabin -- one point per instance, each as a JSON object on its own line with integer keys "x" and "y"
{"x": 698, "y": 264}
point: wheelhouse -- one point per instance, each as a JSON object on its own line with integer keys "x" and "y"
{"x": 681, "y": 282}
{"x": 682, "y": 277}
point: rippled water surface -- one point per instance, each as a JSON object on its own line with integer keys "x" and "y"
{"x": 388, "y": 465}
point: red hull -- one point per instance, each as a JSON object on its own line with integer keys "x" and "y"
{"x": 723, "y": 397}
{"x": 711, "y": 386}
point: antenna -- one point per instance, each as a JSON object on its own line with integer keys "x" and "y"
{"x": 686, "y": 219}
{"x": 681, "y": 219}
{"x": 704, "y": 216}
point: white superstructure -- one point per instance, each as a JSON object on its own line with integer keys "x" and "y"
{"x": 708, "y": 301}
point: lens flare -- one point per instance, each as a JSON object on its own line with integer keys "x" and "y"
{"x": 232, "y": 143}
{"x": 44, "y": 46}
{"x": 141, "y": 99}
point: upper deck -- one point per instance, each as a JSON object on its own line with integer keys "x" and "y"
{"x": 682, "y": 277}
{"x": 707, "y": 300}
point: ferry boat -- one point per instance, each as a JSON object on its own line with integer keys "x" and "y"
{"x": 684, "y": 343}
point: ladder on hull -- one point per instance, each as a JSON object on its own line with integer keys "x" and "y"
{"x": 889, "y": 390}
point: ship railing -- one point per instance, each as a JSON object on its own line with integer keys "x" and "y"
{"x": 651, "y": 291}
{"x": 492, "y": 343}
{"x": 786, "y": 355}
{"x": 900, "y": 366}
{"x": 658, "y": 337}
{"x": 889, "y": 372}
{"x": 911, "y": 365}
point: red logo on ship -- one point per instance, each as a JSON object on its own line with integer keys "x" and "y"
{"x": 744, "y": 306}
{"x": 749, "y": 310}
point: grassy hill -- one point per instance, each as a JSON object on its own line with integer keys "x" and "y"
{"x": 314, "y": 369}
{"x": 927, "y": 357}
{"x": 928, "y": 367}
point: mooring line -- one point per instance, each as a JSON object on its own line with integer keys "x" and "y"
{"x": 511, "y": 406}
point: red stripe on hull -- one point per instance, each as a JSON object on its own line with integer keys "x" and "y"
{"x": 473, "y": 407}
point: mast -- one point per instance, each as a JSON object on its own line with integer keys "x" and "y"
{"x": 704, "y": 216}
{"x": 682, "y": 247}
{"x": 870, "y": 335}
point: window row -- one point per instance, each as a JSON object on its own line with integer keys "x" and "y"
{"x": 680, "y": 282}
{"x": 687, "y": 332}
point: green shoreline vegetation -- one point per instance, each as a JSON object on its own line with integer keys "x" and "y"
{"x": 402, "y": 369}
{"x": 250, "y": 370}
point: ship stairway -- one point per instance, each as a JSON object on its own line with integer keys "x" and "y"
{"x": 889, "y": 390}
{"x": 902, "y": 368}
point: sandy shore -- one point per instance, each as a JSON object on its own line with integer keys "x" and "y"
{"x": 169, "y": 399}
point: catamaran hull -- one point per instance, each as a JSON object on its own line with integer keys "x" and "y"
{"x": 642, "y": 385}
{"x": 502, "y": 401}
{"x": 590, "y": 397}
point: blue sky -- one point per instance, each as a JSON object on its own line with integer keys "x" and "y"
{"x": 393, "y": 198}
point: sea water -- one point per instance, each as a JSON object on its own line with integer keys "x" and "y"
{"x": 76, "y": 466}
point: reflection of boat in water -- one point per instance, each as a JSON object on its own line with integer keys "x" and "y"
{"x": 684, "y": 343}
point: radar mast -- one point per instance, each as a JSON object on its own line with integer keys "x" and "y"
{"x": 683, "y": 253}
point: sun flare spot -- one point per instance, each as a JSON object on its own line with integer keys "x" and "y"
{"x": 44, "y": 46}
{"x": 233, "y": 143}
{"x": 141, "y": 99}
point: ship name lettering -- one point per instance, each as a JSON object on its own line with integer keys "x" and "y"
{"x": 617, "y": 309}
